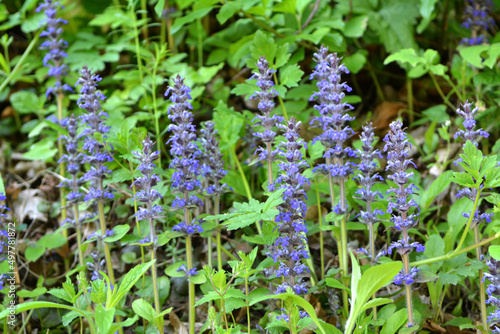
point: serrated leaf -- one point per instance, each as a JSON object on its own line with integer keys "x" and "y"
{"x": 290, "y": 75}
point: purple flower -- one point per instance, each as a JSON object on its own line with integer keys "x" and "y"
{"x": 96, "y": 266}
{"x": 266, "y": 105}
{"x": 469, "y": 124}
{"x": 333, "y": 113}
{"x": 212, "y": 167}
{"x": 493, "y": 289}
{"x": 397, "y": 147}
{"x": 477, "y": 19}
{"x": 290, "y": 247}
{"x": 188, "y": 273}
{"x": 185, "y": 152}
{"x": 54, "y": 45}
{"x": 95, "y": 135}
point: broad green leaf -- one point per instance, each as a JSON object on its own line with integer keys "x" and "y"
{"x": 494, "y": 251}
{"x": 472, "y": 54}
{"x": 144, "y": 309}
{"x": 290, "y": 75}
{"x": 104, "y": 318}
{"x": 33, "y": 253}
{"x": 118, "y": 232}
{"x": 408, "y": 56}
{"x": 128, "y": 282}
{"x": 356, "y": 26}
{"x": 181, "y": 21}
{"x": 395, "y": 322}
{"x": 61, "y": 293}
{"x": 439, "y": 185}
{"x": 25, "y": 102}
{"x": 228, "y": 10}
{"x": 32, "y": 294}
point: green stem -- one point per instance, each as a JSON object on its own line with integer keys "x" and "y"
{"x": 409, "y": 89}
{"x": 144, "y": 16}
{"x": 62, "y": 166}
{"x": 189, "y": 261}
{"x": 78, "y": 235}
{"x": 440, "y": 92}
{"x": 482, "y": 288}
{"x": 200, "y": 42}
{"x": 321, "y": 241}
{"x": 282, "y": 104}
{"x": 107, "y": 253}
{"x": 20, "y": 62}
{"x": 245, "y": 183}
{"x": 217, "y": 227}
{"x": 228, "y": 253}
{"x": 469, "y": 222}
{"x": 152, "y": 250}
{"x": 248, "y": 305}
{"x": 406, "y": 264}
{"x": 343, "y": 240}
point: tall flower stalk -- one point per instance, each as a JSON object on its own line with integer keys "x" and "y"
{"x": 470, "y": 134}
{"x": 97, "y": 153}
{"x": 73, "y": 159}
{"x": 186, "y": 168}
{"x": 152, "y": 211}
{"x": 266, "y": 105}
{"x": 367, "y": 178}
{"x": 213, "y": 172}
{"x": 332, "y": 120}
{"x": 54, "y": 60}
{"x": 291, "y": 246}
{"x": 402, "y": 207}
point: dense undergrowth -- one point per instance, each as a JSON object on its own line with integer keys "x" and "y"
{"x": 249, "y": 166}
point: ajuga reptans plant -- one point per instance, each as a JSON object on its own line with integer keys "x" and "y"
{"x": 478, "y": 19}
{"x": 403, "y": 208}
{"x": 96, "y": 152}
{"x": 333, "y": 122}
{"x": 186, "y": 166}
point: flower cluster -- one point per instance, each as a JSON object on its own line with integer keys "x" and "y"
{"x": 4, "y": 235}
{"x": 367, "y": 178}
{"x": 97, "y": 266}
{"x": 493, "y": 290}
{"x": 54, "y": 45}
{"x": 397, "y": 147}
{"x": 266, "y": 106}
{"x": 333, "y": 113}
{"x": 290, "y": 247}
{"x": 73, "y": 160}
{"x": 145, "y": 183}
{"x": 185, "y": 152}
{"x": 95, "y": 135}
{"x": 477, "y": 18}
{"x": 472, "y": 135}
{"x": 469, "y": 124}
{"x": 212, "y": 167}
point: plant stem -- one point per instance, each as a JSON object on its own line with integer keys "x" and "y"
{"x": 467, "y": 227}
{"x": 248, "y": 306}
{"x": 20, "y": 62}
{"x": 217, "y": 227}
{"x": 440, "y": 92}
{"x": 343, "y": 239}
{"x": 62, "y": 166}
{"x": 107, "y": 253}
{"x": 482, "y": 288}
{"x": 406, "y": 264}
{"x": 321, "y": 241}
{"x": 245, "y": 183}
{"x": 143, "y": 259}
{"x": 152, "y": 250}
{"x": 269, "y": 163}
{"x": 78, "y": 234}
{"x": 409, "y": 89}
{"x": 200, "y": 42}
{"x": 144, "y": 16}
{"x": 189, "y": 261}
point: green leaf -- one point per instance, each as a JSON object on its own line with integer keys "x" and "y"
{"x": 61, "y": 293}
{"x": 25, "y": 102}
{"x": 172, "y": 270}
{"x": 228, "y": 123}
{"x": 355, "y": 62}
{"x": 285, "y": 6}
{"x": 52, "y": 240}
{"x": 181, "y": 21}
{"x": 118, "y": 232}
{"x": 395, "y": 322}
{"x": 332, "y": 282}
{"x": 32, "y": 294}
{"x": 33, "y": 253}
{"x": 356, "y": 26}
{"x": 290, "y": 75}
{"x": 494, "y": 251}
{"x": 408, "y": 56}
{"x": 228, "y": 10}
{"x": 42, "y": 150}
{"x": 370, "y": 282}
{"x": 144, "y": 309}
{"x": 128, "y": 281}
{"x": 104, "y": 318}
{"x": 472, "y": 54}
{"x": 438, "y": 186}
